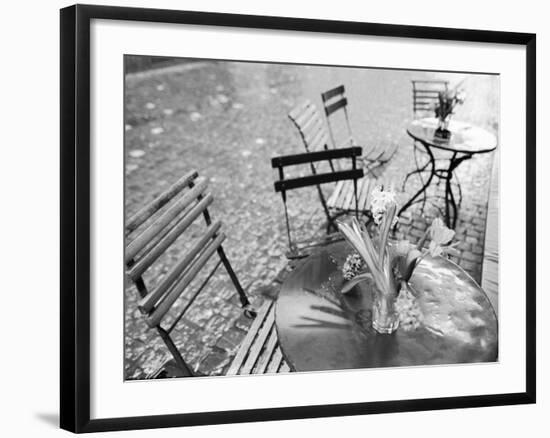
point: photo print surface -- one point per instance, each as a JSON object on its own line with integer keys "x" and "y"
{"x": 295, "y": 218}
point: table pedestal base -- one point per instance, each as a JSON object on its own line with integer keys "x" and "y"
{"x": 445, "y": 174}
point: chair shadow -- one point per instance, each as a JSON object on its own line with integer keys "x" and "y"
{"x": 319, "y": 323}
{"x": 49, "y": 418}
{"x": 330, "y": 311}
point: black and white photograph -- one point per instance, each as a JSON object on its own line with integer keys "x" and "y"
{"x": 287, "y": 218}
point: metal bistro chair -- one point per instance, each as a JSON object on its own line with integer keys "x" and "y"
{"x": 156, "y": 227}
{"x": 425, "y": 95}
{"x": 352, "y": 198}
{"x": 310, "y": 125}
{"x": 334, "y": 101}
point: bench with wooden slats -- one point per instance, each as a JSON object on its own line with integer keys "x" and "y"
{"x": 375, "y": 156}
{"x": 259, "y": 353}
{"x": 151, "y": 232}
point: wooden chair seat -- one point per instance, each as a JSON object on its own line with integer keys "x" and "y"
{"x": 388, "y": 153}
{"x": 343, "y": 199}
{"x": 259, "y": 352}
{"x": 372, "y": 153}
{"x": 346, "y": 200}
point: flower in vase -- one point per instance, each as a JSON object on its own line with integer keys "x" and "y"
{"x": 447, "y": 100}
{"x": 441, "y": 237}
{"x": 405, "y": 257}
{"x": 381, "y": 200}
{"x": 390, "y": 265}
{"x": 353, "y": 266}
{"x": 373, "y": 257}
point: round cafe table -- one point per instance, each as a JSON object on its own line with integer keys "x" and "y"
{"x": 320, "y": 329}
{"x": 464, "y": 141}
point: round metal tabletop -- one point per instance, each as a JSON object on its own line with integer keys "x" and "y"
{"x": 464, "y": 138}
{"x": 321, "y": 329}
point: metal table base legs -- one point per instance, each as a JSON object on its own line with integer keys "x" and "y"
{"x": 443, "y": 174}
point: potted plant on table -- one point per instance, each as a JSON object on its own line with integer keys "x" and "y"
{"x": 390, "y": 264}
{"x": 447, "y": 101}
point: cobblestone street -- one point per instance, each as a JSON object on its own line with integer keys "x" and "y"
{"x": 226, "y": 120}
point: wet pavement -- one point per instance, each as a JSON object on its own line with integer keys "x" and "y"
{"x": 227, "y": 120}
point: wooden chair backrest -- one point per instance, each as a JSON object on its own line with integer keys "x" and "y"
{"x": 334, "y": 100}
{"x": 310, "y": 125}
{"x": 156, "y": 227}
{"x": 283, "y": 184}
{"x": 426, "y": 95}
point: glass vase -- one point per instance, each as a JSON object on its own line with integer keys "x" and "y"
{"x": 385, "y": 318}
{"x": 442, "y": 130}
{"x": 443, "y": 124}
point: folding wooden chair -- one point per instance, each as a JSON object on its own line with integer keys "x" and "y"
{"x": 151, "y": 232}
{"x": 334, "y": 101}
{"x": 426, "y": 96}
{"x": 349, "y": 198}
{"x": 311, "y": 127}
{"x": 425, "y": 99}
{"x": 259, "y": 352}
{"x": 315, "y": 138}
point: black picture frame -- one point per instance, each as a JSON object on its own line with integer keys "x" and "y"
{"x": 75, "y": 216}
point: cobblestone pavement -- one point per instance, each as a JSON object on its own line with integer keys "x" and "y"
{"x": 226, "y": 120}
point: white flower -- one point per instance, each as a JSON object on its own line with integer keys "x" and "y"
{"x": 434, "y": 249}
{"x": 352, "y": 266}
{"x": 440, "y": 236}
{"x": 405, "y": 256}
{"x": 439, "y": 233}
{"x": 380, "y": 201}
{"x": 360, "y": 240}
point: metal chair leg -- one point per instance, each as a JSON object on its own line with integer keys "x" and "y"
{"x": 242, "y": 295}
{"x": 186, "y": 370}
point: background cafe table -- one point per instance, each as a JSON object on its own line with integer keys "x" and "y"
{"x": 320, "y": 329}
{"x": 464, "y": 142}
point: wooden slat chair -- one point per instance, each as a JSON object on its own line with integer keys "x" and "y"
{"x": 425, "y": 99}
{"x": 311, "y": 127}
{"x": 149, "y": 235}
{"x": 259, "y": 352}
{"x": 335, "y": 101}
{"x": 349, "y": 198}
{"x": 426, "y": 96}
{"x": 315, "y": 137}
